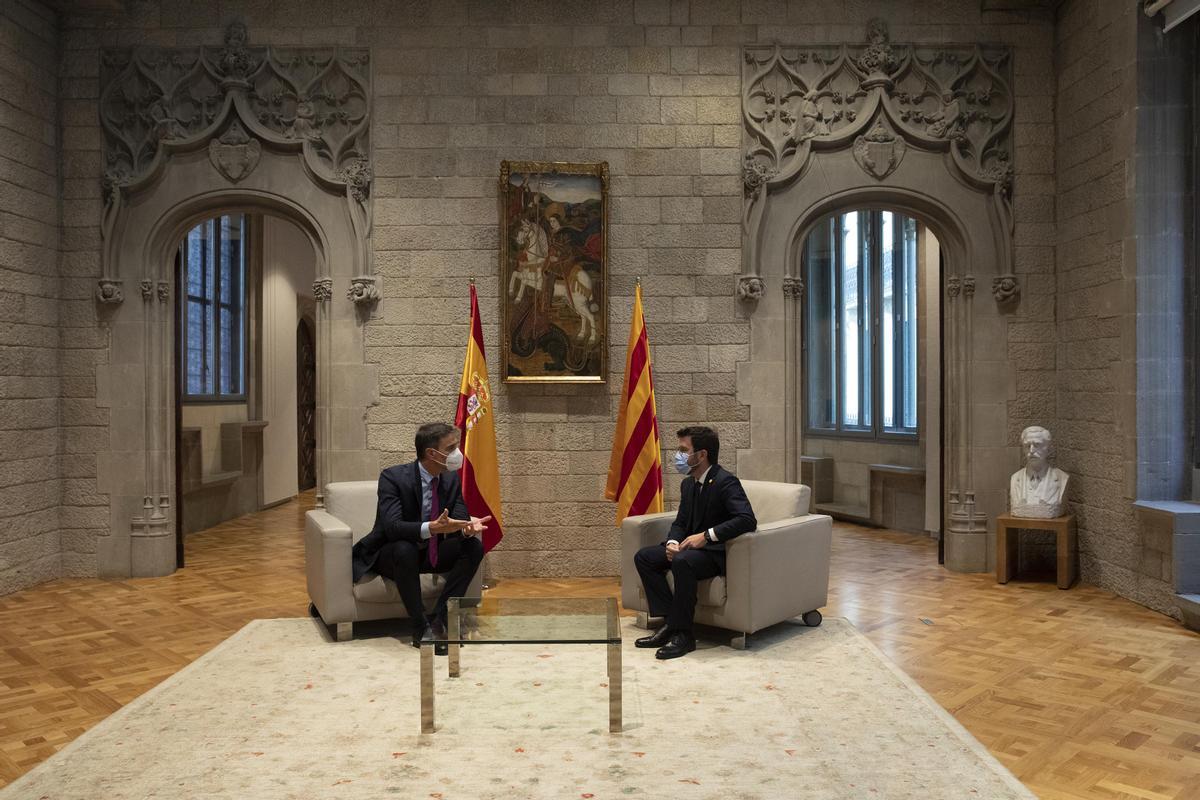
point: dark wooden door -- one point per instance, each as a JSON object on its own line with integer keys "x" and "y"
{"x": 306, "y": 406}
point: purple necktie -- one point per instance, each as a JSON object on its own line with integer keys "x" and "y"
{"x": 435, "y": 509}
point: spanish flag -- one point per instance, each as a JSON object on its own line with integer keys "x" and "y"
{"x": 635, "y": 468}
{"x": 476, "y": 419}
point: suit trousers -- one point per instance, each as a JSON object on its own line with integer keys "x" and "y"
{"x": 688, "y": 568}
{"x": 404, "y": 562}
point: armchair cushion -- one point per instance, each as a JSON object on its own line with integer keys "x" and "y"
{"x": 775, "y": 501}
{"x": 354, "y": 503}
{"x": 378, "y": 589}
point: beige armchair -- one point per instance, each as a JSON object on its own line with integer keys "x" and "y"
{"x": 329, "y": 535}
{"x": 775, "y": 573}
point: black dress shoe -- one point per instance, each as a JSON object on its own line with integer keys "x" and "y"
{"x": 420, "y": 631}
{"x": 680, "y": 644}
{"x": 426, "y": 636}
{"x": 656, "y": 639}
{"x": 437, "y": 630}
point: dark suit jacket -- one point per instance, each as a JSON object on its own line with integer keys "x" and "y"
{"x": 398, "y": 515}
{"x": 724, "y": 507}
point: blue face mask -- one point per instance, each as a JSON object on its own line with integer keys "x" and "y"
{"x": 681, "y": 463}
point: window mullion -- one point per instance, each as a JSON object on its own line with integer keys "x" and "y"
{"x": 838, "y": 267}
{"x": 898, "y": 263}
{"x": 867, "y": 253}
{"x": 877, "y": 322}
{"x": 219, "y": 224}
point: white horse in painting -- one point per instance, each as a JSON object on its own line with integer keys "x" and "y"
{"x": 534, "y": 251}
{"x": 575, "y": 287}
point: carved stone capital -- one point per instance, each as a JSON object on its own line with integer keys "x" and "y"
{"x": 164, "y": 291}
{"x": 364, "y": 290}
{"x": 968, "y": 285}
{"x": 147, "y": 287}
{"x": 953, "y": 285}
{"x": 750, "y": 288}
{"x": 1005, "y": 288}
{"x": 323, "y": 289}
{"x": 109, "y": 292}
{"x": 793, "y": 287}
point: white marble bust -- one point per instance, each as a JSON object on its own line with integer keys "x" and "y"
{"x": 1036, "y": 490}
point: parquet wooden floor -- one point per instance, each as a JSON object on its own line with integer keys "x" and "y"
{"x": 1080, "y": 693}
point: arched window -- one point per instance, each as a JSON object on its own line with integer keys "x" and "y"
{"x": 212, "y": 261}
{"x": 860, "y": 329}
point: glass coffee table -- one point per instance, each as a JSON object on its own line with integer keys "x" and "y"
{"x": 527, "y": 620}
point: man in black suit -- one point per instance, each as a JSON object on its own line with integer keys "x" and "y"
{"x": 422, "y": 525}
{"x": 713, "y": 509}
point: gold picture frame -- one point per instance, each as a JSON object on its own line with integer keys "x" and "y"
{"x": 554, "y": 271}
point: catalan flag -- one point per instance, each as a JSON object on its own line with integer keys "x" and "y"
{"x": 635, "y": 468}
{"x": 476, "y": 419}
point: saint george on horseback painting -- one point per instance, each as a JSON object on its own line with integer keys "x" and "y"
{"x": 553, "y": 268}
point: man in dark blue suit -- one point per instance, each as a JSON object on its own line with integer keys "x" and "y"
{"x": 713, "y": 509}
{"x": 422, "y": 525}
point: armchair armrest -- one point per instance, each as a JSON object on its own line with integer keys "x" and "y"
{"x": 636, "y": 533}
{"x": 327, "y": 546}
{"x": 780, "y": 570}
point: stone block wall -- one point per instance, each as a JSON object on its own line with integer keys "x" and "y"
{"x": 1095, "y": 66}
{"x": 30, "y": 382}
{"x": 1122, "y": 141}
{"x": 650, "y": 86}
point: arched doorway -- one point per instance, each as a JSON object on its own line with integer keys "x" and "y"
{"x": 870, "y": 363}
{"x": 303, "y": 160}
{"x": 924, "y": 131}
{"x": 243, "y": 280}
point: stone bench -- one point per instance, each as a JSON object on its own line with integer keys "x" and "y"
{"x": 897, "y": 498}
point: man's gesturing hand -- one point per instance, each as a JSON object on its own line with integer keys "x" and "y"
{"x": 443, "y": 524}
{"x": 476, "y": 525}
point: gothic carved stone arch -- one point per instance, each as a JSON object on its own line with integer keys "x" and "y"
{"x": 189, "y": 133}
{"x": 923, "y": 130}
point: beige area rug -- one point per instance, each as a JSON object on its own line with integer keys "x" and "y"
{"x": 278, "y": 711}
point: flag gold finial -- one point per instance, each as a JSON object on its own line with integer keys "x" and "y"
{"x": 638, "y": 280}
{"x": 472, "y": 281}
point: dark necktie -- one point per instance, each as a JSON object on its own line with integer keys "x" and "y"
{"x": 435, "y": 509}
{"x": 695, "y": 506}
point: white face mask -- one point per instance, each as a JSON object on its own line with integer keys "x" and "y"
{"x": 454, "y": 460}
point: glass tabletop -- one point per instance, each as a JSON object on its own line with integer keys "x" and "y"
{"x": 532, "y": 620}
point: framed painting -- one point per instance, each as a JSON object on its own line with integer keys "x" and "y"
{"x": 554, "y": 271}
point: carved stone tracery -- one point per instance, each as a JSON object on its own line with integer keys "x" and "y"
{"x": 877, "y": 99}
{"x": 235, "y": 100}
